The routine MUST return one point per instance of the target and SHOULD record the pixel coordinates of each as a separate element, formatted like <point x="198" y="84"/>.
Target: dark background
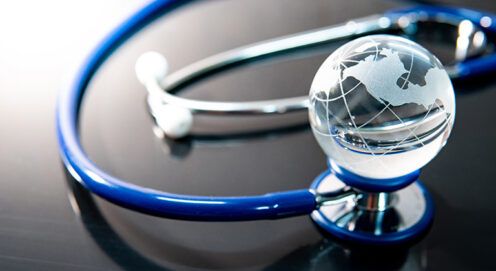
<point x="47" y="222"/>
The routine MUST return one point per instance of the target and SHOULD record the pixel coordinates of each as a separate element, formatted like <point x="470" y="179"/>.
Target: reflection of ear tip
<point x="175" y="121"/>
<point x="151" y="65"/>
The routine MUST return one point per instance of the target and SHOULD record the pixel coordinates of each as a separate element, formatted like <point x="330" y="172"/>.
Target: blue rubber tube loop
<point x="471" y="67"/>
<point x="268" y="206"/>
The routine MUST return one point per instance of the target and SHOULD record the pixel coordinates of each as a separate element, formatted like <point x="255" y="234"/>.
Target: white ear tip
<point x="151" y="65"/>
<point x="175" y="121"/>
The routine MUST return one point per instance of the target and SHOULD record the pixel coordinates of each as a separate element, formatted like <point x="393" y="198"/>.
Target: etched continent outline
<point x="380" y="77"/>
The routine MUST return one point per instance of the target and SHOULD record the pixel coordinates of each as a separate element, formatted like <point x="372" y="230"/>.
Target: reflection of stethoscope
<point x="379" y="220"/>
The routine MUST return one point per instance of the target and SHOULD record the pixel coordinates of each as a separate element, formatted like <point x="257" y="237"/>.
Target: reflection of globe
<point x="381" y="106"/>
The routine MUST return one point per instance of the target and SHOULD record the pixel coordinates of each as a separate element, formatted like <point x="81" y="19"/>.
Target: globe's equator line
<point x="404" y="139"/>
<point x="374" y="117"/>
<point x="405" y="125"/>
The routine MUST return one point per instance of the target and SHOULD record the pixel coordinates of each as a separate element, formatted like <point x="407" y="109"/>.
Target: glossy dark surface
<point x="47" y="222"/>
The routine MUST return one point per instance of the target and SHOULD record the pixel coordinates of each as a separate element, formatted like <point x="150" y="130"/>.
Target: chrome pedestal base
<point x="374" y="218"/>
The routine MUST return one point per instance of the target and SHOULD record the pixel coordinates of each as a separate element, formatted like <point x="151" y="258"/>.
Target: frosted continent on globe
<point x="381" y="106"/>
<point x="369" y="71"/>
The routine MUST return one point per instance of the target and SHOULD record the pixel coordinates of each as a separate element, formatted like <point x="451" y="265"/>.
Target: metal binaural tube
<point x="337" y="197"/>
<point x="275" y="46"/>
<point x="160" y="90"/>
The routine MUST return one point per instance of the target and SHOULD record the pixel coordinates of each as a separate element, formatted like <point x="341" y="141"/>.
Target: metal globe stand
<point x="385" y="212"/>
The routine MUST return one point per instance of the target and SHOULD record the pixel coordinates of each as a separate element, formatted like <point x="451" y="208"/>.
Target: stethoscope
<point x="329" y="190"/>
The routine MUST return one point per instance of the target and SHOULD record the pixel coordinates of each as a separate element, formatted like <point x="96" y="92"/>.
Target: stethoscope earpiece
<point x="175" y="121"/>
<point x="151" y="66"/>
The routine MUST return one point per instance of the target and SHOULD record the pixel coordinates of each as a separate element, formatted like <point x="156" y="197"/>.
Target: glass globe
<point x="381" y="106"/>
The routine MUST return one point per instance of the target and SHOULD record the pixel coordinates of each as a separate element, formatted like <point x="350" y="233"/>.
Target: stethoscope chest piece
<point x="375" y="218"/>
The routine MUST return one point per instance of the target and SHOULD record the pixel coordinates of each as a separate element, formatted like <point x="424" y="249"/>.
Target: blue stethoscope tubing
<point x="471" y="67"/>
<point x="186" y="207"/>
